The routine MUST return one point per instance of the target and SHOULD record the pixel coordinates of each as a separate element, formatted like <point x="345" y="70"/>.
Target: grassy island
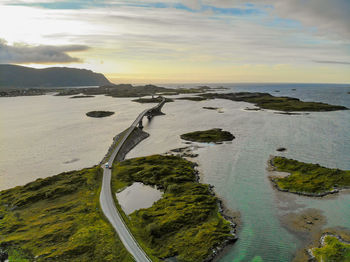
<point x="332" y="249"/>
<point x="185" y="223"/>
<point x="58" y="219"/>
<point x="82" y="96"/>
<point x="99" y="114"/>
<point x="210" y="108"/>
<point x="309" y="179"/>
<point x="152" y="100"/>
<point x="267" y="101"/>
<point x="207" y="136"/>
<point x="192" y="98"/>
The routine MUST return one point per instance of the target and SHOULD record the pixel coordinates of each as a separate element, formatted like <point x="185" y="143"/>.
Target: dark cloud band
<point x="332" y="62"/>
<point x="38" y="54"/>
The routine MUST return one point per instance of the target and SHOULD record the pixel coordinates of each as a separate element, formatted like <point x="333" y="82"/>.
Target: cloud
<point x="328" y="17"/>
<point x="22" y="53"/>
<point x="332" y="62"/>
<point x="137" y="32"/>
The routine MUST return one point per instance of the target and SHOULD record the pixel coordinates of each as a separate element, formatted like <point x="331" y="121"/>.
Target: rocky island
<point x="82" y="96"/>
<point x="215" y="135"/>
<point x="192" y="98"/>
<point x="99" y="114"/>
<point x="332" y="248"/>
<point x="308" y="179"/>
<point x="319" y="244"/>
<point x="152" y="100"/>
<point x="267" y="101"/>
<point x="185" y="223"/>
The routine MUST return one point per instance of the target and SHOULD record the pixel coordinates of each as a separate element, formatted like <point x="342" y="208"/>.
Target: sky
<point x="182" y="41"/>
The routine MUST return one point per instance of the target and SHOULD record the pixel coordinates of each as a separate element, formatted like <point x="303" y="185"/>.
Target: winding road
<point x="106" y="197"/>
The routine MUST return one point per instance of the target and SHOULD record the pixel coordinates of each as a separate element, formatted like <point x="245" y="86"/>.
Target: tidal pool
<point x="138" y="196"/>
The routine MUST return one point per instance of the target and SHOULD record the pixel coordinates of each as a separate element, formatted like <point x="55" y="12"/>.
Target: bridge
<point x="106" y="197"/>
<point x="154" y="111"/>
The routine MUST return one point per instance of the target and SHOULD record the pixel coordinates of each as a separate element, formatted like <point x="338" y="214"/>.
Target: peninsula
<point x="308" y="179"/>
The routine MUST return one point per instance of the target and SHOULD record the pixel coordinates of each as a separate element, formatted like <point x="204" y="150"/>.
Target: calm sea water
<point x="42" y="136"/>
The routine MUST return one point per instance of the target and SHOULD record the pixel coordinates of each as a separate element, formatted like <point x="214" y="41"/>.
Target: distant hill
<point x="20" y="76"/>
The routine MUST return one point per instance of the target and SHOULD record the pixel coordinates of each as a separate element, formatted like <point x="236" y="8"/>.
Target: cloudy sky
<point x="182" y="41"/>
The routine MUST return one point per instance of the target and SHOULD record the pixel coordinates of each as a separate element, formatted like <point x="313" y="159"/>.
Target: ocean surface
<point x="42" y="136"/>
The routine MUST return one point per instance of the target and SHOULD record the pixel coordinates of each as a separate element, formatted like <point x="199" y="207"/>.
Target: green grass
<point x="309" y="178"/>
<point x="58" y="219"/>
<point x="185" y="222"/>
<point x="207" y="136"/>
<point x="333" y="250"/>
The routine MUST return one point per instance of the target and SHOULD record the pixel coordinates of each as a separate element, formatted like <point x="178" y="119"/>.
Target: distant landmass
<point x="20" y="76"/>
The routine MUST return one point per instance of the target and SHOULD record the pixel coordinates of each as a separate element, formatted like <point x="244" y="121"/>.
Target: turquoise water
<point x="238" y="169"/>
<point x="319" y="138"/>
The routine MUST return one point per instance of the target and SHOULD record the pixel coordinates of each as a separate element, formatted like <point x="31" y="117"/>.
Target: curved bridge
<point x="106" y="197"/>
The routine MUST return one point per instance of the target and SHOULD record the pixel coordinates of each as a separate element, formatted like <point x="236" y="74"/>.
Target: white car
<point x="106" y="165"/>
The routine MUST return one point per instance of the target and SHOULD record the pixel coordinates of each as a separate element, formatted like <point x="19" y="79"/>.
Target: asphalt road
<point x="114" y="217"/>
<point x="107" y="202"/>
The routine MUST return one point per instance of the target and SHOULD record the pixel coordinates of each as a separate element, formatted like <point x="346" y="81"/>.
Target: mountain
<point x="20" y="76"/>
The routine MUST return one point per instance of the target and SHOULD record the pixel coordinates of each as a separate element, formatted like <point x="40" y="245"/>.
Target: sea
<point x="42" y="136"/>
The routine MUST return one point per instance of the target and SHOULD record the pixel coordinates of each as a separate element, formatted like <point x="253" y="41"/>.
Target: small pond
<point x="138" y="196"/>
